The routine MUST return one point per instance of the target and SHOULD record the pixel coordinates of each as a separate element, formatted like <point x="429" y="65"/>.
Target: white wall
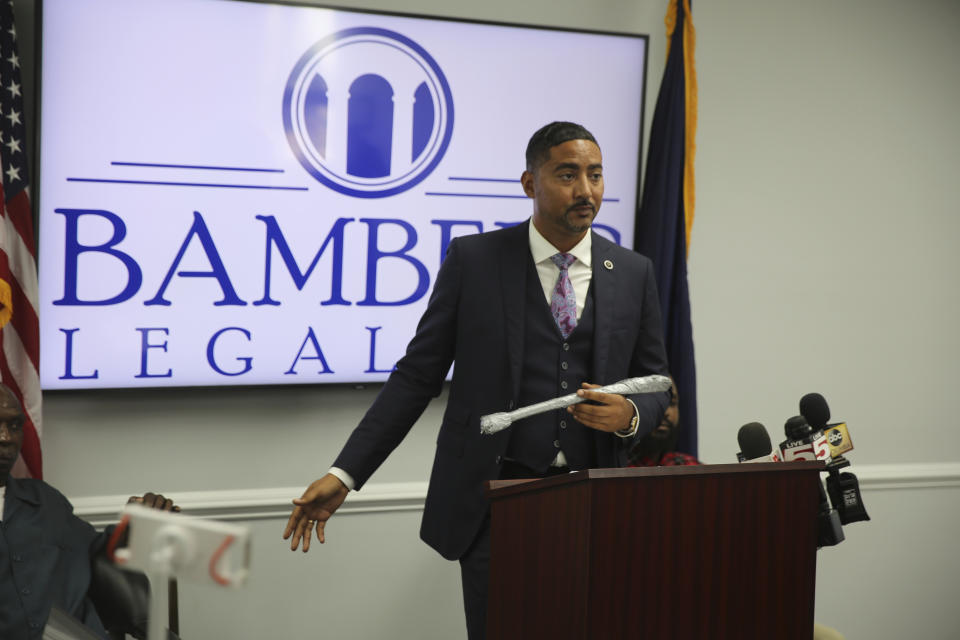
<point x="822" y="259"/>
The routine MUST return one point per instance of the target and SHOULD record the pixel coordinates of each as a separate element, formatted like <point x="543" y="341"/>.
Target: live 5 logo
<point x="817" y="448"/>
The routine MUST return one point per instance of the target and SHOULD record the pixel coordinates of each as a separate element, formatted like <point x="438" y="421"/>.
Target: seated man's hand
<point x="120" y="534"/>
<point x="154" y="501"/>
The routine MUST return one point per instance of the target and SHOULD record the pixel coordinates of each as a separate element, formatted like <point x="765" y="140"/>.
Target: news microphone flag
<point x="19" y="331"/>
<point x="838" y="437"/>
<point x="665" y="218"/>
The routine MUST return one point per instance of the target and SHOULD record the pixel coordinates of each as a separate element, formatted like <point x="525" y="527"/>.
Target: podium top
<point x="500" y="488"/>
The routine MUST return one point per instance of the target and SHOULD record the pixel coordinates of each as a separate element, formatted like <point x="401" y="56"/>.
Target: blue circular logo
<point x="368" y="112"/>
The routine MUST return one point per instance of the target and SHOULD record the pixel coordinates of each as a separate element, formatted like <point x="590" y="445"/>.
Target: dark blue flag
<point x="666" y="210"/>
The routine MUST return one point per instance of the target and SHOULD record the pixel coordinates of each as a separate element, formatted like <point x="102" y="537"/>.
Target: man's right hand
<point x="154" y="501"/>
<point x="316" y="505"/>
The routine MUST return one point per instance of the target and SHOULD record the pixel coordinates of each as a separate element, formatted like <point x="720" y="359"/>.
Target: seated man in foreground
<point x="45" y="550"/>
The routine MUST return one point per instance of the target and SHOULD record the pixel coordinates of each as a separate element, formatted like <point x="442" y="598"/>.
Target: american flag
<point x="19" y="335"/>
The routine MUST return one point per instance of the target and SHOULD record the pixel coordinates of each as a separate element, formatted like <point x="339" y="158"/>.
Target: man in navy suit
<point x="522" y="327"/>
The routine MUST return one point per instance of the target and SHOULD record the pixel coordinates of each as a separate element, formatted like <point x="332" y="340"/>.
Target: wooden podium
<point x="715" y="552"/>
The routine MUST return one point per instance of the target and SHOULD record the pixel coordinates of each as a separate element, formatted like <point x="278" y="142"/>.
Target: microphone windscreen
<point x="814" y="408"/>
<point x="796" y="427"/>
<point x="754" y="440"/>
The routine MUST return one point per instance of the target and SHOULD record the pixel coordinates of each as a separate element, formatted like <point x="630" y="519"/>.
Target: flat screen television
<point x="248" y="193"/>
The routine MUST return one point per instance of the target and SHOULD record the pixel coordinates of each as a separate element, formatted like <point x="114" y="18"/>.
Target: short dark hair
<point x="549" y="136"/>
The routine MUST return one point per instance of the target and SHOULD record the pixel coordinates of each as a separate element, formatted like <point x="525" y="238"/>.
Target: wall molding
<point x="275" y="502"/>
<point x="920" y="475"/>
<point x="259" y="504"/>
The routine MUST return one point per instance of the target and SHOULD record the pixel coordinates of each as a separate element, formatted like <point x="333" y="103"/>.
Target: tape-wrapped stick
<point x="495" y="422"/>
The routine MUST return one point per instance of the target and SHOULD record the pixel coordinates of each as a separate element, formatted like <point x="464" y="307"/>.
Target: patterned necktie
<point x="563" y="302"/>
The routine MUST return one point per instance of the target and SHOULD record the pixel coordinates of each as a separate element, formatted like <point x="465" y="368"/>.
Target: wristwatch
<point x="634" y="422"/>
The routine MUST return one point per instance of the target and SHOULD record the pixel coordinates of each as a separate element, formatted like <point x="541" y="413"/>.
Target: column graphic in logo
<point x="368" y="112"/>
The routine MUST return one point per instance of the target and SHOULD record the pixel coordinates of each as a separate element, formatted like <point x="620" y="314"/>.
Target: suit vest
<point x="552" y="367"/>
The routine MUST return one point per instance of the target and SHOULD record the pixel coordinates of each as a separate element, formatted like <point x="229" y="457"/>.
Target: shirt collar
<point x="541" y="249"/>
<point x="20" y="491"/>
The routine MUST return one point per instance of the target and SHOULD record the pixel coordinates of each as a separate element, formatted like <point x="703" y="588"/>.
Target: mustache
<point x="581" y="203"/>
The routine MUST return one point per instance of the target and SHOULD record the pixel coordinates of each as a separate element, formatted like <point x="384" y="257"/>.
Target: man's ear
<point x="526" y="179"/>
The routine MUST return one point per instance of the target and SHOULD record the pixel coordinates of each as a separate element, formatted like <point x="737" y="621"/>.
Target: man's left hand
<point x="611" y="413"/>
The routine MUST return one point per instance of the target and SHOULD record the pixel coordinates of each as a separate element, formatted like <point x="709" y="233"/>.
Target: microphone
<point x="755" y="444"/>
<point x="803" y="443"/>
<point x="814" y="408"/>
<point x="755" y="447"/>
<point x="844" y="488"/>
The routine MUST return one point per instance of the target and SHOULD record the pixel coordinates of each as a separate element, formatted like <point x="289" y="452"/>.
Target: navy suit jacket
<point x="475" y="318"/>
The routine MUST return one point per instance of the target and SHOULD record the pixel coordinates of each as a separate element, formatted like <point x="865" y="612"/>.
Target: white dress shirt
<point x="579" y="271"/>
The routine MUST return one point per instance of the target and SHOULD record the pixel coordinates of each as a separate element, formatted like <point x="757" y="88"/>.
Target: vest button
<point x="563" y="384"/>
<point x="563" y="424"/>
<point x="564" y="365"/>
<point x="556" y="444"/>
<point x="566" y="346"/>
